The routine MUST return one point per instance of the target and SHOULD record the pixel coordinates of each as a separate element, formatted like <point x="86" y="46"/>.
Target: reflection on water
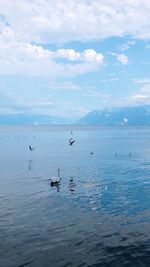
<point x="55" y="186"/>
<point x="72" y="185"/>
<point x="99" y="213"/>
<point x="30" y="163"/>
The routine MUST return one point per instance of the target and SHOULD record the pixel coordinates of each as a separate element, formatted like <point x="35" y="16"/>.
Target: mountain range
<point x="139" y="115"/>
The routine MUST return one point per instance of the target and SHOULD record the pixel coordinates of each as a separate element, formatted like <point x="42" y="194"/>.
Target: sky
<point x="68" y="57"/>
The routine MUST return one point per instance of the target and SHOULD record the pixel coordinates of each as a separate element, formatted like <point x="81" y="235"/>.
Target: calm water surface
<point x="99" y="215"/>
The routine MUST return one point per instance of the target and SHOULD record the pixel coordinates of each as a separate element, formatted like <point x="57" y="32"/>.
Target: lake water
<point x="99" y="215"/>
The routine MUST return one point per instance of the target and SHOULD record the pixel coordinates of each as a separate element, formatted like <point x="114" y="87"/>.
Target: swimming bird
<point x="71" y="141"/>
<point x="55" y="180"/>
<point x="31" y="148"/>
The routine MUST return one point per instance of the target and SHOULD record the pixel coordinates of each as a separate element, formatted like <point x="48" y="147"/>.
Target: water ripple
<point x="98" y="215"/>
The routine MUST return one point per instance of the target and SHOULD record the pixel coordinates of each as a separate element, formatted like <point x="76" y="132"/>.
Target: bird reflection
<point x="30" y="163"/>
<point x="72" y="185"/>
<point x="56" y="185"/>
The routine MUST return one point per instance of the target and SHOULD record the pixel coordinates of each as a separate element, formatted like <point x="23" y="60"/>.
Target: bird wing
<point x="71" y="141"/>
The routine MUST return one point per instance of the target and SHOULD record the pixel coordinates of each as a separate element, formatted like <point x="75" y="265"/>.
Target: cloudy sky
<point x="68" y="57"/>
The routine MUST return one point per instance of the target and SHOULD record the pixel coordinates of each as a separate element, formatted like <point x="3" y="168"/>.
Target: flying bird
<point x="31" y="148"/>
<point x="71" y="141"/>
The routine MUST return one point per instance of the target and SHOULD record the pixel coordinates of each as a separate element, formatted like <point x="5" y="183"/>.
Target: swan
<point x="55" y="180"/>
<point x="31" y="148"/>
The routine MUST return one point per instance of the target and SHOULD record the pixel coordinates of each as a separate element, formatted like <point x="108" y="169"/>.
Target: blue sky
<point x="66" y="58"/>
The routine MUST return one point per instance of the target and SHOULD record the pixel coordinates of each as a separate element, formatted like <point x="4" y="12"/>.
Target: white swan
<point x="55" y="180"/>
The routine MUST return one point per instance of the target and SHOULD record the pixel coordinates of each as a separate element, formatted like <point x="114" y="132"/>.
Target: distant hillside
<point x="19" y="119"/>
<point x="139" y="115"/>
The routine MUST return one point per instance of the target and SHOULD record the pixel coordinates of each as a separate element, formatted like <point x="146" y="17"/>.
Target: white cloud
<point x="91" y="56"/>
<point x="69" y="54"/>
<point x="142" y="81"/>
<point x="64" y="86"/>
<point x="97" y="94"/>
<point x="125" y="120"/>
<point x="27" y="26"/>
<point x="142" y="96"/>
<point x="28" y="59"/>
<point x="114" y="79"/>
<point x="24" y="23"/>
<point x="146" y="88"/>
<point x="88" y="55"/>
<point x="139" y="97"/>
<point x="11" y="103"/>
<point x="38" y="103"/>
<point x="46" y="21"/>
<point x="122" y="58"/>
<point x="126" y="45"/>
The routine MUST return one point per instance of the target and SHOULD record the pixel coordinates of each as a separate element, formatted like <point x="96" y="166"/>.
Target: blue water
<point x="99" y="214"/>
